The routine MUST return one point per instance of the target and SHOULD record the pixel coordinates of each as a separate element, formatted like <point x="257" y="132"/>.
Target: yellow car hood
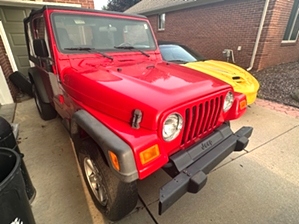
<point x="241" y="80"/>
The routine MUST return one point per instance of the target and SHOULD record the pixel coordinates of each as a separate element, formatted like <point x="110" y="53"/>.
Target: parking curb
<point x="289" y="110"/>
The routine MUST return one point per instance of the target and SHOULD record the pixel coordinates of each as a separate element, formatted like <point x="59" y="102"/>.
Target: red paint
<point x="111" y="90"/>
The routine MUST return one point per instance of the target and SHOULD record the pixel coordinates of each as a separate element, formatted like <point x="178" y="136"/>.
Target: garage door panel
<point x="21" y="51"/>
<point x="23" y="60"/>
<point x="14" y="14"/>
<point x="12" y="19"/>
<point x="15" y="27"/>
<point x="18" y="39"/>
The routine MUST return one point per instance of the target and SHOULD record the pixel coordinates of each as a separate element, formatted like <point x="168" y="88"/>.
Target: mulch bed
<point x="277" y="83"/>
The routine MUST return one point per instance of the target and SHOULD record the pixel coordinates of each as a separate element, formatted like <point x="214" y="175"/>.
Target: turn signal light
<point x="114" y="160"/>
<point x="243" y="104"/>
<point x="149" y="154"/>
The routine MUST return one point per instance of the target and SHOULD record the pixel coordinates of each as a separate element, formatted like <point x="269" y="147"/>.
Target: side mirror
<point x="40" y="48"/>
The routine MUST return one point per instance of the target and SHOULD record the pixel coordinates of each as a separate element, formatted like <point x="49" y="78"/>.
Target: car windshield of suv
<point x="102" y="33"/>
<point x="178" y="53"/>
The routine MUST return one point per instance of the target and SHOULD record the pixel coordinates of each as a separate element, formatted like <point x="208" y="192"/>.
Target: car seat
<point x="64" y="40"/>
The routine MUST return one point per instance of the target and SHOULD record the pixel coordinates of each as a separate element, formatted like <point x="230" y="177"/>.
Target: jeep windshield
<point x="73" y="31"/>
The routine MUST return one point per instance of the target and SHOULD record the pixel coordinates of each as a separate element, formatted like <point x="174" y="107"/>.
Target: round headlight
<point x="228" y="101"/>
<point x="172" y="126"/>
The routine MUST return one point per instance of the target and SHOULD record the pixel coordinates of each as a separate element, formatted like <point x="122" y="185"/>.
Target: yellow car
<point x="241" y="80"/>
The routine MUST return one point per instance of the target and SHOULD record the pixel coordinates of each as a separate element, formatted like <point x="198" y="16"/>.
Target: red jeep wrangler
<point x="128" y="112"/>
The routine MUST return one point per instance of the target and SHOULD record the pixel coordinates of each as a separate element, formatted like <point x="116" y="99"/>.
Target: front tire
<point x="114" y="198"/>
<point x="46" y="111"/>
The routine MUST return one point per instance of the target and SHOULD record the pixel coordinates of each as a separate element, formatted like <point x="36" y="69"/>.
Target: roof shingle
<point x="148" y="7"/>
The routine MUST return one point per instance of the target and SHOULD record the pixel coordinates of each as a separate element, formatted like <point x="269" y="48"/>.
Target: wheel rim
<point x="36" y="99"/>
<point x="95" y="181"/>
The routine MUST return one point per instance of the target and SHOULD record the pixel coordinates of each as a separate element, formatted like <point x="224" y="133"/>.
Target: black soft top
<point x="41" y="10"/>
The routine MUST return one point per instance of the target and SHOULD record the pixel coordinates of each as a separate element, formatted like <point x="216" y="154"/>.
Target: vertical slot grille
<point x="201" y="118"/>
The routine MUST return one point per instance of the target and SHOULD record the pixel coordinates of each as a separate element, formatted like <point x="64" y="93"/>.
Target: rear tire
<point x="114" y="198"/>
<point x="46" y="111"/>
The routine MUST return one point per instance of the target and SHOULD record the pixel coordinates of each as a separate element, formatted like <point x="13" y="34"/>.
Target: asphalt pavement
<point x="257" y="185"/>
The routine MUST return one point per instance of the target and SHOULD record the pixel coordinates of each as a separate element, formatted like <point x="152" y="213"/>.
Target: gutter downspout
<point x="259" y="33"/>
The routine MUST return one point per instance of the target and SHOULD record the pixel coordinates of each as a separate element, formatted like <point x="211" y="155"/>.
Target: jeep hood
<point x="153" y="88"/>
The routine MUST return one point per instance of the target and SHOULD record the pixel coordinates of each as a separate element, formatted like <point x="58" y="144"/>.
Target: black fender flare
<point x="36" y="79"/>
<point x="107" y="140"/>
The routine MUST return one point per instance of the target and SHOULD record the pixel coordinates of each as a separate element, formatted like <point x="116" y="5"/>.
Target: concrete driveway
<point x="257" y="185"/>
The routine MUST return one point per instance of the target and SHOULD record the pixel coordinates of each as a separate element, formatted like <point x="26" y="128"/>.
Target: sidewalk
<point x="257" y="185"/>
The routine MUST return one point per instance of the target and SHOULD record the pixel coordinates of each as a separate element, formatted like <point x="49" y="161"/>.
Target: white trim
<point x="30" y="4"/>
<point x="5" y="95"/>
<point x="289" y="41"/>
<point x="7" y="48"/>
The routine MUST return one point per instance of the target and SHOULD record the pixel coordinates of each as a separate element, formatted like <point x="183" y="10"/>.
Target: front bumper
<point x="190" y="167"/>
<point x="251" y="97"/>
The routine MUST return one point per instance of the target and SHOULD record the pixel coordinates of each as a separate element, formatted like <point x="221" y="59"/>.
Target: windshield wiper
<point x="131" y="48"/>
<point x="88" y="49"/>
<point x="178" y="61"/>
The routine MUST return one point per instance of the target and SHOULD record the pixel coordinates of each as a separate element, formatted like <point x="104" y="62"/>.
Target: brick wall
<point x="6" y="68"/>
<point x="84" y="3"/>
<point x="272" y="51"/>
<point x="212" y="28"/>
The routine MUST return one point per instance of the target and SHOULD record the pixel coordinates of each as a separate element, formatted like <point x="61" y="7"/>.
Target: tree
<point x="120" y="5"/>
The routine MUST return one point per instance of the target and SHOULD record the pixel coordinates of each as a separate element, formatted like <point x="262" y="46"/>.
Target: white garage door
<point x="12" y="19"/>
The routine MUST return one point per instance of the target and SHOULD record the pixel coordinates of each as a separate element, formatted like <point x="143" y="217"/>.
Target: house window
<point x="161" y="22"/>
<point x="291" y="33"/>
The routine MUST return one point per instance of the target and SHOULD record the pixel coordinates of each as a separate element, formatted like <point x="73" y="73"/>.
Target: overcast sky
<point x="98" y="4"/>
